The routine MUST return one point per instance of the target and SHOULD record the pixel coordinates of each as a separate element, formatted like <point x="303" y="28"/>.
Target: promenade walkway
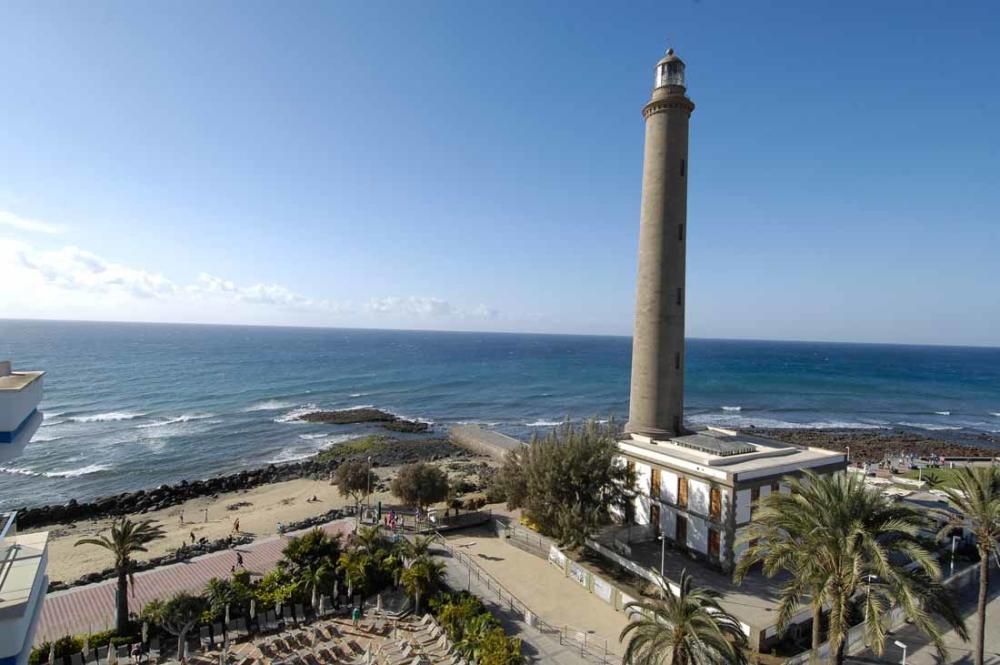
<point x="92" y="607"/>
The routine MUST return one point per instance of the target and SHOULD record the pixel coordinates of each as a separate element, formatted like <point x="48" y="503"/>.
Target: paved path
<point x="539" y="647"/>
<point x="91" y="608"/>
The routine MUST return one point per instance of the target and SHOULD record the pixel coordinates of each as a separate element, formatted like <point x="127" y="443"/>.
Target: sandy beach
<point x="259" y="511"/>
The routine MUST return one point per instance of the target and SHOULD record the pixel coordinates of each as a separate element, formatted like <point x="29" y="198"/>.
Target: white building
<point x="699" y="489"/>
<point x="23" y="559"/>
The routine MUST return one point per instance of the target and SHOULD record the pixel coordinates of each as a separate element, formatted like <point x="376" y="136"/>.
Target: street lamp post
<point x="868" y="592"/>
<point x="368" y="494"/>
<point x="903" y="647"/>
<point x="663" y="552"/>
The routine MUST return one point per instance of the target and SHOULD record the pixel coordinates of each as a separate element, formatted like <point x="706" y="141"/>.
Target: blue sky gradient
<point x="474" y="165"/>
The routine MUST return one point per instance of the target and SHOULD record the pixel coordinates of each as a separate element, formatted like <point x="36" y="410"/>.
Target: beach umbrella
<point x="253" y="608"/>
<point x="336" y="591"/>
<point x="315" y="597"/>
<point x="52" y="654"/>
<point x="227" y="615"/>
<point x="378" y="604"/>
<point x="145" y="632"/>
<point x="322" y="605"/>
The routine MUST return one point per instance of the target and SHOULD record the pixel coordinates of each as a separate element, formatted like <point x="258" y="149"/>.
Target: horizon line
<point x="495" y="332"/>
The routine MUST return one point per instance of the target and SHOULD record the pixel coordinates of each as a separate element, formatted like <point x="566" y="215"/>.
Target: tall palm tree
<point x="422" y="577"/>
<point x="353" y="566"/>
<point x="841" y="542"/>
<point x="369" y="538"/>
<point x="416" y="549"/>
<point x="684" y="628"/>
<point x="977" y="495"/>
<point x="125" y="539"/>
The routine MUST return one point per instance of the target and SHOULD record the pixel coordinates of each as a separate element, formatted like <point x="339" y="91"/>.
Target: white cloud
<point x="18" y="223"/>
<point x="76" y="269"/>
<point x="424" y="307"/>
<point x="53" y="284"/>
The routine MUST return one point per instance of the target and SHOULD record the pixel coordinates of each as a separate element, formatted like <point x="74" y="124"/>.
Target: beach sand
<point x="269" y="504"/>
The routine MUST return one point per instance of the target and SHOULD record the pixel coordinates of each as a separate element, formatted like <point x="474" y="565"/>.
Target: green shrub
<point x="64" y="647"/>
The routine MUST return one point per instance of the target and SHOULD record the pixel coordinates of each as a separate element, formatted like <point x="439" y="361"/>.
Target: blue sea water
<point x="130" y="406"/>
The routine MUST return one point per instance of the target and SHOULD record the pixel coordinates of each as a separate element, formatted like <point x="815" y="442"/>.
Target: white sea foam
<point x="734" y="421"/>
<point x="356" y="395"/>
<point x="291" y="455"/>
<point x="187" y="417"/>
<point x="313" y="436"/>
<point x="932" y="427"/>
<point x="112" y="416"/>
<point x="476" y="422"/>
<point x="296" y="414"/>
<point x="943" y="413"/>
<point x="42" y="437"/>
<point x="269" y="405"/>
<point x="544" y="423"/>
<point x="296" y="453"/>
<point x="358" y="407"/>
<point x="995" y="413"/>
<point x="68" y="473"/>
<point x="732" y="408"/>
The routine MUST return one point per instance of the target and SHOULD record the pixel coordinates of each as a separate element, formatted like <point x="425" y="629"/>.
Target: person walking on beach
<point x="182" y="517"/>
<point x="192" y="537"/>
<point x="236" y="525"/>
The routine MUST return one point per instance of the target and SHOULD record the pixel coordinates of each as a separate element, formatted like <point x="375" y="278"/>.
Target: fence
<point x="590" y="647"/>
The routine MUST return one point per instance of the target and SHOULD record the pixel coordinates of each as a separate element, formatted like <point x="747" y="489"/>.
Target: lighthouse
<point x="656" y="405"/>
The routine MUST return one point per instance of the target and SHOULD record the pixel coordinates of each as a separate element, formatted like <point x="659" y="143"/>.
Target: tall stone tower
<point x="656" y="405"/>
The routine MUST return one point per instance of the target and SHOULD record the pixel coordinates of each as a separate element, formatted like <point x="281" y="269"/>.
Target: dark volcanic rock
<point x="877" y="445"/>
<point x="387" y="420"/>
<point x="349" y="417"/>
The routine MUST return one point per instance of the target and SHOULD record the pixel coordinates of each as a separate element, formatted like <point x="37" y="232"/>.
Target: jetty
<point x="483" y="442"/>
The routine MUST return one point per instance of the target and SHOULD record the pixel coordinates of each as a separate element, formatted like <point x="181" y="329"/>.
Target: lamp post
<point x="903" y="647"/>
<point x="368" y="494"/>
<point x="663" y="552"/>
<point x="868" y="592"/>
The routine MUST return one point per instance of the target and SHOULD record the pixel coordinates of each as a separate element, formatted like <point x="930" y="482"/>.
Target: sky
<point x="476" y="165"/>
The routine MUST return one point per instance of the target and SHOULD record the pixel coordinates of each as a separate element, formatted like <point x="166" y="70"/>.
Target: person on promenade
<point x="182" y="516"/>
<point x="236" y="525"/>
<point x="192" y="537"/>
<point x="356" y="616"/>
<point x="239" y="560"/>
<point x="136" y="653"/>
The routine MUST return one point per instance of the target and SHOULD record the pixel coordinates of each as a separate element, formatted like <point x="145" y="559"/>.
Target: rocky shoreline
<point x="383" y="451"/>
<point x="876" y="445"/>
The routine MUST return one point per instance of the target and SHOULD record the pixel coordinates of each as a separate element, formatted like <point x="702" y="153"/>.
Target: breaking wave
<point x="269" y="405"/>
<point x="112" y="416"/>
<point x="68" y="473"/>
<point x="773" y="423"/>
<point x="295" y="414"/>
<point x="732" y="408"/>
<point x="931" y="427"/>
<point x="943" y="413"/>
<point x="544" y="423"/>
<point x="187" y="417"/>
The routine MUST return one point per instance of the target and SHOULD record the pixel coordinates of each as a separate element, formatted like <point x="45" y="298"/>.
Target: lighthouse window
<point x="683" y="167"/>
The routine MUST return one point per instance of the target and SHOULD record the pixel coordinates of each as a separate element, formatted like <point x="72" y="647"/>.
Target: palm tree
<point x="778" y="541"/>
<point x="840" y="541"/>
<point x="684" y="628"/>
<point x="369" y="538"/>
<point x="353" y="565"/>
<point x="126" y="538"/>
<point x="977" y="495"/>
<point x="422" y="577"/>
<point x="416" y="549"/>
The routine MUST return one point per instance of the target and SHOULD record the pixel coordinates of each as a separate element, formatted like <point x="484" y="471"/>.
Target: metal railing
<point x="590" y="646"/>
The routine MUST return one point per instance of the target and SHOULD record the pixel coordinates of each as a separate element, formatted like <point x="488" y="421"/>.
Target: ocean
<point x="130" y="406"/>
